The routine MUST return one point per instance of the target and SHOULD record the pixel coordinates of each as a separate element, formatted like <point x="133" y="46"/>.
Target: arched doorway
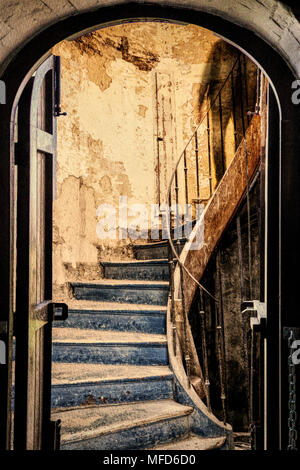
<point x="282" y="195"/>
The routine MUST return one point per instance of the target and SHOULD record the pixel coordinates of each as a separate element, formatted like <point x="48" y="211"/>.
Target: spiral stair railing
<point x="235" y="85"/>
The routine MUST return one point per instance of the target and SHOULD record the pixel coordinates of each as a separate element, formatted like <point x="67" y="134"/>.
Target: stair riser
<point x="143" y="295"/>
<point x="148" y="273"/>
<point x="144" y="322"/>
<point x="141" y="437"/>
<point x="122" y="391"/>
<point x="110" y="354"/>
<point x="153" y="252"/>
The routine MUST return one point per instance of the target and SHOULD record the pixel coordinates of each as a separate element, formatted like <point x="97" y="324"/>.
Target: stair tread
<point x="91" y="421"/>
<point x="100" y="306"/>
<point x="138" y="262"/>
<point x="77" y="335"/>
<point x="121" y="282"/>
<point x="157" y="243"/>
<point x="193" y="442"/>
<point x="72" y="373"/>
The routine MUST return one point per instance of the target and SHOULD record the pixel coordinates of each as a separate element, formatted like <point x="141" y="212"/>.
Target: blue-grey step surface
<point x="119" y="427"/>
<point x="138" y="292"/>
<point x="151" y="270"/>
<point x="193" y="442"/>
<point x="81" y="384"/>
<point x="115" y="316"/>
<point x="108" y="347"/>
<point x="155" y="250"/>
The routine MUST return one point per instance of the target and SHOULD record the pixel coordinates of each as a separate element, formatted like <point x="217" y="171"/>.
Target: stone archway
<point x="271" y="20"/>
<point x="268" y="34"/>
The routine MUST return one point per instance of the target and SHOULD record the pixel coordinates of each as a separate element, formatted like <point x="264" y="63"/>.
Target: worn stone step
<point x="108" y="347"/>
<point x="121" y="427"/>
<point x="115" y="316"/>
<point x="193" y="442"/>
<point x="152" y="270"/>
<point x="155" y="250"/>
<point x="81" y="384"/>
<point x="138" y="292"/>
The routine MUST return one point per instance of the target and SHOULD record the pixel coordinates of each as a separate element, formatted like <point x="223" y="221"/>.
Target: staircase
<point x="126" y="373"/>
<point x="112" y="385"/>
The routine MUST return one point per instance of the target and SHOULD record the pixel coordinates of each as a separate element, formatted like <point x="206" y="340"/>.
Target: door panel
<point x="36" y="154"/>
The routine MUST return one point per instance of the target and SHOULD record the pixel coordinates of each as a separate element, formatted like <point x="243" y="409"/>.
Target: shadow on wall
<point x="232" y="104"/>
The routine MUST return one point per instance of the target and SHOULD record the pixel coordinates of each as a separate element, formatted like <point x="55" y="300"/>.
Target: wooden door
<point x="36" y="167"/>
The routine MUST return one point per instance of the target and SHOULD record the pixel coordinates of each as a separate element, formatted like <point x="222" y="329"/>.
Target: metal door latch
<point x="48" y="311"/>
<point x="257" y="313"/>
<point x="60" y="311"/>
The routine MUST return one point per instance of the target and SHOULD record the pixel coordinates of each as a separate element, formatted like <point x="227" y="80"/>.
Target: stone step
<point x="115" y="316"/>
<point x="108" y="347"/>
<point x="123" y="427"/>
<point x="193" y="442"/>
<point x="138" y="292"/>
<point x="151" y="270"/>
<point x="82" y="384"/>
<point x="155" y="250"/>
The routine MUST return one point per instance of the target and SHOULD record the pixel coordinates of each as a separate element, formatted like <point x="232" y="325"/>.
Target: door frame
<point x="282" y="223"/>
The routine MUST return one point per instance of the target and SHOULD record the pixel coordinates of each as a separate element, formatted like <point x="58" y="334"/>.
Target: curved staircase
<point x="112" y="384"/>
<point x="126" y="373"/>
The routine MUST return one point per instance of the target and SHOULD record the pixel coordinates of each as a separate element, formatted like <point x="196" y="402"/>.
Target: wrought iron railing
<point x="229" y="106"/>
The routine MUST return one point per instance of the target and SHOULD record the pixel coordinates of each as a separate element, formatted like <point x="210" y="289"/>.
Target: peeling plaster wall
<point x="121" y="87"/>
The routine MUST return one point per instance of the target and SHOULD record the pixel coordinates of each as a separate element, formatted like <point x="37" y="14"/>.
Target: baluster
<point x="169" y="211"/>
<point x="185" y="326"/>
<point x="185" y="177"/>
<point x="247" y="180"/>
<point x="233" y="111"/>
<point x="246" y="88"/>
<point x="204" y="348"/>
<point x="209" y="154"/>
<point x="244" y="319"/>
<point x="251" y="378"/>
<point x="239" y="240"/>
<point x="241" y="95"/>
<point x="220" y="340"/>
<point x="197" y="167"/>
<point x="176" y="187"/>
<point x="171" y="276"/>
<point x="177" y="197"/>
<point x="258" y="91"/>
<point x="171" y="296"/>
<point x="221" y="133"/>
<point x="223" y="396"/>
